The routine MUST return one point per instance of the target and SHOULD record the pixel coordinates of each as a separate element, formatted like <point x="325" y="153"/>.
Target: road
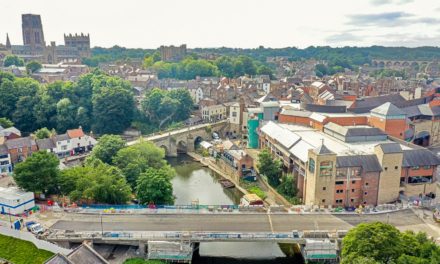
<point x="404" y="220"/>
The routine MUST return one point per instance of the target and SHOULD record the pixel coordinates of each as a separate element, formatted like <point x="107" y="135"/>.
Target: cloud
<point x="390" y="19"/>
<point x="386" y="2"/>
<point x="342" y="37"/>
<point x="381" y="2"/>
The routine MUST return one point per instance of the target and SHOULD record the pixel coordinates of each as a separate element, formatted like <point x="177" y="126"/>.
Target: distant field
<point x="21" y="252"/>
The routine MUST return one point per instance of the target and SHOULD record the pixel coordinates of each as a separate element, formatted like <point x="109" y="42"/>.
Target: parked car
<point x="35" y="228"/>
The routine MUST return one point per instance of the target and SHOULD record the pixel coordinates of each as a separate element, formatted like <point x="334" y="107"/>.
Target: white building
<point x="213" y="112"/>
<point x="5" y="161"/>
<point x="196" y="94"/>
<point x="234" y="114"/>
<point x="15" y="201"/>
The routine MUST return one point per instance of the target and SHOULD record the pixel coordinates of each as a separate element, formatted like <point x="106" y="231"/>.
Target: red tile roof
<point x="75" y="133"/>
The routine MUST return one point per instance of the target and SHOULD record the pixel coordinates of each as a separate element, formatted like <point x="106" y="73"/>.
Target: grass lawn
<point x="21" y="251"/>
<point x="142" y="261"/>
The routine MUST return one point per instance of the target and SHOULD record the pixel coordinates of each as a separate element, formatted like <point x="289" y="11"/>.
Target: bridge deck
<point x="224" y="222"/>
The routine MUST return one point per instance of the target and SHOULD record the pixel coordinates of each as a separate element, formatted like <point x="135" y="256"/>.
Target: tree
<point x="107" y="147"/>
<point x="23" y="115"/>
<point x="269" y="167"/>
<point x="33" y="66"/>
<point x="264" y="70"/>
<point x="6" y="123"/>
<point x="185" y="103"/>
<point x="65" y="115"/>
<point x="136" y="159"/>
<point x="154" y="186"/>
<point x="42" y="133"/>
<point x="96" y="182"/>
<point x="38" y="173"/>
<point x="112" y="110"/>
<point x="287" y="186"/>
<point x="378" y="241"/>
<point x="13" y="60"/>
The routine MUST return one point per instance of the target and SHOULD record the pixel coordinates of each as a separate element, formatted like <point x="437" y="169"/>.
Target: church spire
<point x="8" y="42"/>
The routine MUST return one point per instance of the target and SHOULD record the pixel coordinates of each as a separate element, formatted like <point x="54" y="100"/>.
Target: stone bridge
<point x="184" y="140"/>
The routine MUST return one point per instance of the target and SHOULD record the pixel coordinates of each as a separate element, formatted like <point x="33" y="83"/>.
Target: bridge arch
<point x="389" y="63"/>
<point x="197" y="141"/>
<point x="381" y="64"/>
<point x="397" y="64"/>
<point x="405" y="64"/>
<point x="182" y="147"/>
<point x="167" y="153"/>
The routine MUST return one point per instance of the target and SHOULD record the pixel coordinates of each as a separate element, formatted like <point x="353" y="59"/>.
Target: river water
<point x="194" y="182"/>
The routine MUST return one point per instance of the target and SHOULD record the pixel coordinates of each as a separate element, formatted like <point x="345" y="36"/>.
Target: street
<point x="403" y="220"/>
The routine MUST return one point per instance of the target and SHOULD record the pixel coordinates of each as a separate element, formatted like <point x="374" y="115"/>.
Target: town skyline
<point x="239" y="24"/>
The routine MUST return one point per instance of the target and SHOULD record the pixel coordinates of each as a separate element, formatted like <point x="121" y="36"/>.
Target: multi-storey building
<point x="350" y="165"/>
<point x="172" y="53"/>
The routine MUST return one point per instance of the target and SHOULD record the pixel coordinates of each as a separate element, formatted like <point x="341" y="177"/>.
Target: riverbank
<point x="210" y="163"/>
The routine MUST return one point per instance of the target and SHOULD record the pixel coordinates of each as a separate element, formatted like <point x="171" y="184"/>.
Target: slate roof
<point x="364" y="105"/>
<point x="46" y="143"/>
<point x="391" y="148"/>
<point x="58" y="259"/>
<point x="419" y="157"/>
<point x="84" y="254"/>
<point x="387" y="109"/>
<point x="323" y="150"/>
<point x="368" y="163"/>
<point x="62" y="137"/>
<point x="364" y="131"/>
<point x="20" y="143"/>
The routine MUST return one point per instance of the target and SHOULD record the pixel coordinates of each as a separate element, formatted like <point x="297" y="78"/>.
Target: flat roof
<point x="12" y="193"/>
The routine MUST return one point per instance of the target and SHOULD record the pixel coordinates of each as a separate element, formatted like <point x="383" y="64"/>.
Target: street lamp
<point x="102" y="228"/>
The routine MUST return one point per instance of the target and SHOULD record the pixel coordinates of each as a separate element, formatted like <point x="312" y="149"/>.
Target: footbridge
<point x="184" y="139"/>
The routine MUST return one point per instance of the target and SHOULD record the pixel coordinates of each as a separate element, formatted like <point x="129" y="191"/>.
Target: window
<point x="326" y="168"/>
<point x="365" y="193"/>
<point x="352" y="190"/>
<point x="352" y="200"/>
<point x="323" y="200"/>
<point x="341" y="172"/>
<point x="324" y="188"/>
<point x="339" y="201"/>
<point x="356" y="172"/>
<point x="386" y="168"/>
<point x="353" y="182"/>
<point x="396" y="167"/>
<point x="339" y="183"/>
<point x="426" y="167"/>
<point x="312" y="165"/>
<point x="415" y="168"/>
<point x="366" y="184"/>
<point x="339" y="191"/>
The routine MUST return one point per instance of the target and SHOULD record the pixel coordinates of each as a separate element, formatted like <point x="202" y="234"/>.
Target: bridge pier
<point x="142" y="247"/>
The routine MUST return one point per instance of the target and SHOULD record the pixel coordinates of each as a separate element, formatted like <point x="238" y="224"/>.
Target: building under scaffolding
<point x="322" y="250"/>
<point x="180" y="252"/>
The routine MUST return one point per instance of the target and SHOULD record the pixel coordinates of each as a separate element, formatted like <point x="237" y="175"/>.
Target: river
<point x="194" y="182"/>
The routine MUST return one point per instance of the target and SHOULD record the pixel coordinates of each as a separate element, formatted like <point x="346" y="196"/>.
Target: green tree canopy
<point x="33" y="66"/>
<point x="271" y="168"/>
<point x="13" y="60"/>
<point x="383" y="243"/>
<point x="136" y="159"/>
<point x="6" y="123"/>
<point x="107" y="147"/>
<point x="42" y="133"/>
<point x="154" y="186"/>
<point x="38" y="173"/>
<point x="95" y="182"/>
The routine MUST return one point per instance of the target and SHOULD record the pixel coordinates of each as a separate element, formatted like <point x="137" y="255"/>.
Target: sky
<point x="231" y="23"/>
